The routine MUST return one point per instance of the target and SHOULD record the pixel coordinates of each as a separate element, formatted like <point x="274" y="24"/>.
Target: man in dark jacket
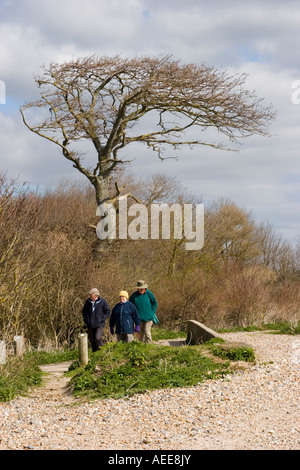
<point x="126" y="319"/>
<point x="95" y="312"/>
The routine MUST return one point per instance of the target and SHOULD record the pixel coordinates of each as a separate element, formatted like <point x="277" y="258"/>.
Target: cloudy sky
<point x="257" y="38"/>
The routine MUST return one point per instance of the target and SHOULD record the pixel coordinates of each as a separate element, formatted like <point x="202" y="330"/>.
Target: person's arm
<point x="136" y="320"/>
<point x="106" y="309"/>
<point x="84" y="313"/>
<point x="153" y="301"/>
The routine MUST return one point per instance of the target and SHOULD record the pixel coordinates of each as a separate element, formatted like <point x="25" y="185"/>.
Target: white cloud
<point x="89" y="25"/>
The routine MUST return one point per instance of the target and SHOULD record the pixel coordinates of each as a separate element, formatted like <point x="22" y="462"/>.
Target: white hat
<point x="94" y="291"/>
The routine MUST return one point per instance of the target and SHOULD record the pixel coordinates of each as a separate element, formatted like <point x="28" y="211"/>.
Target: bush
<point x="243" y="276"/>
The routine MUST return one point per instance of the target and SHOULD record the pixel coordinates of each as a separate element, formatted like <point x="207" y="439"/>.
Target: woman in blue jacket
<point x="125" y="318"/>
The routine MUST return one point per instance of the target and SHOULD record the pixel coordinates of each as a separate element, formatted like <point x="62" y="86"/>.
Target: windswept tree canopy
<point x="104" y="100"/>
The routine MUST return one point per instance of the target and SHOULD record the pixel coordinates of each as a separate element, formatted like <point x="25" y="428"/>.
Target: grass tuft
<point x="17" y="376"/>
<point x="121" y="369"/>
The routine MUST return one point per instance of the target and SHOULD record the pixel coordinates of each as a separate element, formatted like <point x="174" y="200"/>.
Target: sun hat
<point x="141" y="285"/>
<point x="123" y="293"/>
<point x="94" y="291"/>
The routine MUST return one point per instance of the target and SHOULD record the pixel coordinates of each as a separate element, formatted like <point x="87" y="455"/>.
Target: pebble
<point x="255" y="408"/>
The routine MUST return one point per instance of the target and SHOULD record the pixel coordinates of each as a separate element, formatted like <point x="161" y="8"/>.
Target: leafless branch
<point x="104" y="100"/>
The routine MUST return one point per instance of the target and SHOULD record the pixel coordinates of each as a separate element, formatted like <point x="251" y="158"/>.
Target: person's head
<point x="141" y="286"/>
<point x="123" y="296"/>
<point x="94" y="294"/>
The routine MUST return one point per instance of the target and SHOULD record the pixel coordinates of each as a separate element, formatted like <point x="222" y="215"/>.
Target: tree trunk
<point x="101" y="185"/>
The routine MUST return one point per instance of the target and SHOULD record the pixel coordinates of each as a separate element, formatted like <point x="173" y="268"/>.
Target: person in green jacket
<point x="146" y="305"/>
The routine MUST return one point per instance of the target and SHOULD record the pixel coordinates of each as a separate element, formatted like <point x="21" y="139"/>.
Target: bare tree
<point x="104" y="100"/>
<point x="21" y="220"/>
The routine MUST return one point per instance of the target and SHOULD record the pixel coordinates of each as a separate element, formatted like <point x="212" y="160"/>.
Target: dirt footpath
<point x="55" y="385"/>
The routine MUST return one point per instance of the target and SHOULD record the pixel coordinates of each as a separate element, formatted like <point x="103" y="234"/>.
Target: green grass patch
<point x="52" y="357"/>
<point x="17" y="376"/>
<point x="121" y="369"/>
<point x="281" y="328"/>
<point x="158" y="333"/>
<point x="234" y="351"/>
<point x="284" y="328"/>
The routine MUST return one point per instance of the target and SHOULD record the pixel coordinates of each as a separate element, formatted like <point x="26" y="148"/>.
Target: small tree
<point x="104" y="100"/>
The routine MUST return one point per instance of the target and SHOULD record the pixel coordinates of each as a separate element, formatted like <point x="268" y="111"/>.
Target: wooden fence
<point x="19" y="348"/>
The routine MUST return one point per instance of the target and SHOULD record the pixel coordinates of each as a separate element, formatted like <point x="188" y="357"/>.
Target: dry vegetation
<point x="50" y="257"/>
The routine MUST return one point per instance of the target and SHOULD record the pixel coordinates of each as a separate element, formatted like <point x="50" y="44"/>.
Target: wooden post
<point x="19" y="345"/>
<point x="2" y="353"/>
<point x="83" y="349"/>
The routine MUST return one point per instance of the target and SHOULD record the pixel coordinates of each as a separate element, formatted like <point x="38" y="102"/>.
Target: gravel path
<point x="253" y="409"/>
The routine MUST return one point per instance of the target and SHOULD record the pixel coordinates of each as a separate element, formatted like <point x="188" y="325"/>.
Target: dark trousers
<point x="95" y="337"/>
